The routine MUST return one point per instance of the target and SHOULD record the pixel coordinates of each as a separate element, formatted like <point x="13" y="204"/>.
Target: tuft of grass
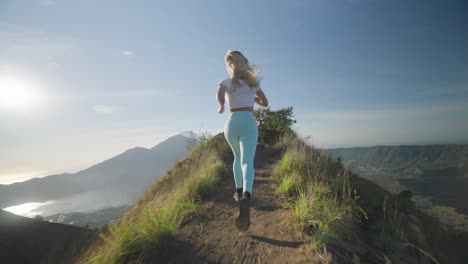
<point x="206" y="142"/>
<point x="203" y="186"/>
<point x="323" y="217"/>
<point x="290" y="185"/>
<point x="302" y="208"/>
<point x="319" y="190"/>
<point x="153" y="222"/>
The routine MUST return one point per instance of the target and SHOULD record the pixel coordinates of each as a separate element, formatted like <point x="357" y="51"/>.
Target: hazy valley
<point x="115" y="182"/>
<point x="436" y="174"/>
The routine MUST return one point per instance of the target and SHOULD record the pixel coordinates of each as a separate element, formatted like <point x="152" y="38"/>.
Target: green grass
<point x="290" y="185"/>
<point x="206" y="142"/>
<point x="338" y="209"/>
<point x="323" y="218"/>
<point x="318" y="189"/>
<point x="153" y="222"/>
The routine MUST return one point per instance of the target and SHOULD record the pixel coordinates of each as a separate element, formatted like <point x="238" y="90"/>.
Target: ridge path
<point x="210" y="235"/>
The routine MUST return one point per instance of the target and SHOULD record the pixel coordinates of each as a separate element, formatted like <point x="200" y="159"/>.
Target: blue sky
<point x="111" y="75"/>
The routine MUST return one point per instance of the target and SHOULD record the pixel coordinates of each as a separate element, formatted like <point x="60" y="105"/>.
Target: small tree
<point x="197" y="143"/>
<point x="272" y="124"/>
<point x="191" y="141"/>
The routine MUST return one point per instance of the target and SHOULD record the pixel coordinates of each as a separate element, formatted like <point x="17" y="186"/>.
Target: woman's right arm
<point x="261" y="99"/>
<point x="220" y="98"/>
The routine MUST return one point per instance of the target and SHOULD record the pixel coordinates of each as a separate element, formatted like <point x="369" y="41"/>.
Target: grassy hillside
<point x="26" y="240"/>
<point x="342" y="217"/>
<point x="341" y="210"/>
<point x="436" y="174"/>
<point x="152" y="223"/>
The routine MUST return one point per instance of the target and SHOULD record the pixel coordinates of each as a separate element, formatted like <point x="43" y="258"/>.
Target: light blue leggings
<point x="241" y="132"/>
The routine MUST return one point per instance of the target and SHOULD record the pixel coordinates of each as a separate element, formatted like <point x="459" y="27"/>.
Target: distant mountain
<point x="436" y="174"/>
<point x="395" y="157"/>
<point x="177" y="142"/>
<point x="113" y="182"/>
<point x="388" y="165"/>
<point x="26" y="240"/>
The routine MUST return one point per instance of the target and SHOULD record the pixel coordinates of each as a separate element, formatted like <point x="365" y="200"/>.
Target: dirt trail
<point x="211" y="237"/>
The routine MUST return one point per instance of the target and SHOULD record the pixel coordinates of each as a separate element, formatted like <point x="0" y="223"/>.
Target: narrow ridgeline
<point x="306" y="208"/>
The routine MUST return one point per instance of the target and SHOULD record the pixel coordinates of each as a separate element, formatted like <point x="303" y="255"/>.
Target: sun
<point x="17" y="93"/>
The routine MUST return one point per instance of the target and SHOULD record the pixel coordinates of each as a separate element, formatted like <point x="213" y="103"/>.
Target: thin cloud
<point x="139" y="93"/>
<point x="314" y="4"/>
<point x="103" y="109"/>
<point x="49" y="3"/>
<point x="128" y="53"/>
<point x="391" y="112"/>
<point x="20" y="43"/>
<point x="106" y="94"/>
<point x="460" y="89"/>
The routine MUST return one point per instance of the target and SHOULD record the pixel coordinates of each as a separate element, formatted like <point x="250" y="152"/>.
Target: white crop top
<point x="243" y="96"/>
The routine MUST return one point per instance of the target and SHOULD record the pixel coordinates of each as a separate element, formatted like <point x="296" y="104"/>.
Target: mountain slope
<point x="25" y="240"/>
<point x="315" y="213"/>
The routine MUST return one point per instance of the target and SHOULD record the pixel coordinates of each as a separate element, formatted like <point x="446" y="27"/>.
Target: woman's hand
<point x="261" y="99"/>
<point x="221" y="109"/>
<point x="258" y="101"/>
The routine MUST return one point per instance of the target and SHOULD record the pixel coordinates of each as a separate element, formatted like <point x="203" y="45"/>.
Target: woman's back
<point x="239" y="96"/>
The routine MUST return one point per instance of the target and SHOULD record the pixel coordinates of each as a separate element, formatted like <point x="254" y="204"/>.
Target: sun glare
<point x="17" y="93"/>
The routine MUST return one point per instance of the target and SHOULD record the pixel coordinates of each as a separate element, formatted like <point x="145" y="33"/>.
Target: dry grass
<point x="319" y="190"/>
<point x="154" y="220"/>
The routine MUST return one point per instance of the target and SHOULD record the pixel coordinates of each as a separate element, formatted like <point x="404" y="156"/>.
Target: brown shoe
<point x="243" y="220"/>
<point x="237" y="195"/>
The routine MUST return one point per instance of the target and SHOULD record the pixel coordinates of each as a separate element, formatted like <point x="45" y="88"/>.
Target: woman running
<point x="241" y="90"/>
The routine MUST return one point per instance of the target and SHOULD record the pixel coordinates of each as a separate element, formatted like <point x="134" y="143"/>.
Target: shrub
<point x="273" y="124"/>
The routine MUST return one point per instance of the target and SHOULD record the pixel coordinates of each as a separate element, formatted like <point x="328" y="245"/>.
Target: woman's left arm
<point x="261" y="98"/>
<point x="220" y="98"/>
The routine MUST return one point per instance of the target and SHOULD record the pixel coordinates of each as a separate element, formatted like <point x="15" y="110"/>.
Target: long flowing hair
<point x="239" y="69"/>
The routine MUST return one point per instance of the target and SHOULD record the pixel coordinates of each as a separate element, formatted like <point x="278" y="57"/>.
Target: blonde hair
<point x="240" y="69"/>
